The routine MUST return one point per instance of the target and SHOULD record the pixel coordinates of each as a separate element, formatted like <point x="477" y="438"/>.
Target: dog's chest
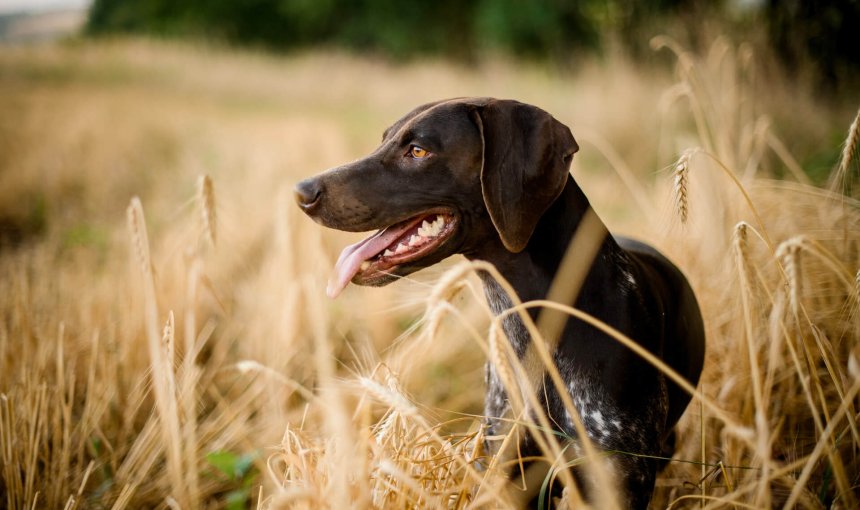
<point x="605" y="423"/>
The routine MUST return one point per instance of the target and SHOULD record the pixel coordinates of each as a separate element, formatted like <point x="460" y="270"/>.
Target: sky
<point x="15" y="6"/>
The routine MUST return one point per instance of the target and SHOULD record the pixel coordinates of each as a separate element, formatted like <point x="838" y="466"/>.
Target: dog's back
<point x="684" y="338"/>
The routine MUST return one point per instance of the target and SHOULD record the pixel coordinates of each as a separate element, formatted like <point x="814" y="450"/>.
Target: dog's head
<point x="447" y="177"/>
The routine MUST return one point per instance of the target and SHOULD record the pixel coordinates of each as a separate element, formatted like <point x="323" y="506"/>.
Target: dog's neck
<point x="530" y="272"/>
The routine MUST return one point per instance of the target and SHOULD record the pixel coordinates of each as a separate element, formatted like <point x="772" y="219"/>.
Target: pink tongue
<point x="353" y="255"/>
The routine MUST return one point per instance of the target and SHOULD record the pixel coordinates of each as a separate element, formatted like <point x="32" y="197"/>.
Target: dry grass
<point x="144" y="365"/>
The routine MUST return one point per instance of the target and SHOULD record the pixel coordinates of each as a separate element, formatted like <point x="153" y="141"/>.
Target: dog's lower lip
<point x="361" y="259"/>
<point x="439" y="229"/>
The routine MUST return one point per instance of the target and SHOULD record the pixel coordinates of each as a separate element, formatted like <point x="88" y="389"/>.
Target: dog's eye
<point x="417" y="152"/>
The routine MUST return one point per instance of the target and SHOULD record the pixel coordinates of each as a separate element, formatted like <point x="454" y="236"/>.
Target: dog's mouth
<point x="395" y="245"/>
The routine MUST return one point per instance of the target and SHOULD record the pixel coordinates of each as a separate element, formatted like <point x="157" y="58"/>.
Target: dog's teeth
<point x="388" y="253"/>
<point x="428" y="229"/>
<point x="415" y="240"/>
<point x="364" y="265"/>
<point x="435" y="228"/>
<point x="400" y="249"/>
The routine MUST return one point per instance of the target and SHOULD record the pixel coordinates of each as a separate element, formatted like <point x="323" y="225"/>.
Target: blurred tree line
<point x="451" y="27"/>
<point x="822" y="32"/>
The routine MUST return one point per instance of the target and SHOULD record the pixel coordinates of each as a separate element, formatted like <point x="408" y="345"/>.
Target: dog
<point x="489" y="179"/>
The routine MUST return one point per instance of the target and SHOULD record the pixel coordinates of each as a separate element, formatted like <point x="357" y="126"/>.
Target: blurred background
<point x="179" y="352"/>
<point x="811" y="44"/>
<point x="800" y="33"/>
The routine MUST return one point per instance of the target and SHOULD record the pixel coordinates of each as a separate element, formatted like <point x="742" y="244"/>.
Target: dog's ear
<point x="527" y="155"/>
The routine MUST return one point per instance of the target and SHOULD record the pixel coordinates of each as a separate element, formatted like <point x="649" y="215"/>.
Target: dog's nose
<point x="308" y="193"/>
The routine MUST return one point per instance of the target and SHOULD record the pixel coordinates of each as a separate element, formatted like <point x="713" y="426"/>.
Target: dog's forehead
<point x="427" y="116"/>
<point x="440" y="118"/>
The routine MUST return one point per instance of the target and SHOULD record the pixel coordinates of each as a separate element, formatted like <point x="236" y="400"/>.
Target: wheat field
<point x="166" y="342"/>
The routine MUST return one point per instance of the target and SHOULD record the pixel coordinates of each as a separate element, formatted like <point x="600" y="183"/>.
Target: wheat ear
<point x="849" y="152"/>
<point x="139" y="239"/>
<point x="681" y="174"/>
<point x="206" y="199"/>
<point x="789" y="253"/>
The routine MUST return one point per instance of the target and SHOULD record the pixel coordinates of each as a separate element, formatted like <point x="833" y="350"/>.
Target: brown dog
<point x="489" y="179"/>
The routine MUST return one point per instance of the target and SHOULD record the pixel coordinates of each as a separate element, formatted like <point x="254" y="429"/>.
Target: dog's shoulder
<point x="652" y="272"/>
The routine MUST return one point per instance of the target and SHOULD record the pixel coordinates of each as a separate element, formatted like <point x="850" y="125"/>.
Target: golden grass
<point x="145" y="365"/>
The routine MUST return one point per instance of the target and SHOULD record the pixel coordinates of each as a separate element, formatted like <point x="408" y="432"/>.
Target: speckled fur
<point x="609" y="427"/>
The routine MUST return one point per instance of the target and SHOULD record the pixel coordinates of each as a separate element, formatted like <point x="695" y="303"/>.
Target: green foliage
<point x="545" y="28"/>
<point x="87" y="235"/>
<point x="537" y="28"/>
<point x="820" y="33"/>
<point x="233" y="466"/>
<point x="239" y="471"/>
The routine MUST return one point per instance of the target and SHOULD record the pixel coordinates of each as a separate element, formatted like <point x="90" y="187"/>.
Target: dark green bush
<point x="535" y="28"/>
<point x="820" y="33"/>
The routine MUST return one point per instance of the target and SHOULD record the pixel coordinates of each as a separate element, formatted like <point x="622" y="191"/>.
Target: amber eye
<point x="417" y="152"/>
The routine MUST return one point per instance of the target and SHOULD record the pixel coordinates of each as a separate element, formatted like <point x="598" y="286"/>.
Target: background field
<point x="182" y="354"/>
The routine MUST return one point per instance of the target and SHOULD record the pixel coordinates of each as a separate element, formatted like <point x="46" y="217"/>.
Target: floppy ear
<point x="527" y="155"/>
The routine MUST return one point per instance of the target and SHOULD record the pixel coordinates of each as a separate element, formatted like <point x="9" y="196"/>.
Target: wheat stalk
<point x="500" y="366"/>
<point x="849" y="154"/>
<point x="857" y="286"/>
<point x="789" y="253"/>
<point x="741" y="247"/>
<point x="390" y="396"/>
<point x="44" y="453"/>
<point x="854" y="363"/>
<point x="167" y="341"/>
<point x="139" y="239"/>
<point x="680" y="177"/>
<point x="449" y="284"/>
<point x="206" y="200"/>
<point x="162" y="373"/>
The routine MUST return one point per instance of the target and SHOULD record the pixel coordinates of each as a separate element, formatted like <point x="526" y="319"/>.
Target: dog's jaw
<point x="394" y="251"/>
